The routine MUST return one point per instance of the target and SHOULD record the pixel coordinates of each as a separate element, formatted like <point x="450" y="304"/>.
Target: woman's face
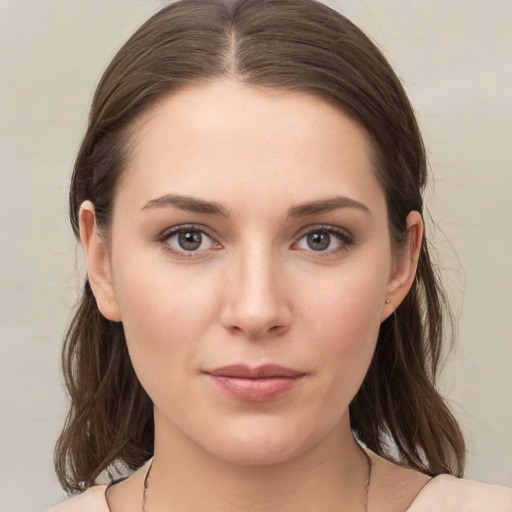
<point x="249" y="230"/>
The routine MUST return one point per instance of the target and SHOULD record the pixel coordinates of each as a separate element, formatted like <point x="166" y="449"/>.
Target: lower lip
<point x="255" y="390"/>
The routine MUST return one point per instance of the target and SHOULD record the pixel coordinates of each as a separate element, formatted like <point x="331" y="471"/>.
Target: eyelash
<point x="343" y="236"/>
<point x="164" y="238"/>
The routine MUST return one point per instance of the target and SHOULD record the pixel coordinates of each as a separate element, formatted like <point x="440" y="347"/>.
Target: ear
<point x="405" y="265"/>
<point x="99" y="268"/>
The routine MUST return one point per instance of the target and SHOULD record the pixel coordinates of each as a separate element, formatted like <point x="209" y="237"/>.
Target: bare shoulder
<point x="91" y="500"/>
<point x="447" y="493"/>
<point x="398" y="489"/>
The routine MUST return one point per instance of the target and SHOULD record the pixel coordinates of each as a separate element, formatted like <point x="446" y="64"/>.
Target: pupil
<point x="190" y="240"/>
<point x="319" y="241"/>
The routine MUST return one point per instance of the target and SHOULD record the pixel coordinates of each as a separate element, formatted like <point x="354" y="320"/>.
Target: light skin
<point x="249" y="228"/>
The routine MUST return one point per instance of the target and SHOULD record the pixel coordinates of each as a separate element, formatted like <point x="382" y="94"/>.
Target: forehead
<point x="214" y="138"/>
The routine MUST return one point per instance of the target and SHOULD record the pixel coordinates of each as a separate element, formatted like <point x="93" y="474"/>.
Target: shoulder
<point x="91" y="500"/>
<point x="446" y="493"/>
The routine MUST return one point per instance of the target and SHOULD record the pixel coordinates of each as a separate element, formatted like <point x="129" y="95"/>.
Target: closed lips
<point x="261" y="372"/>
<point x="260" y="384"/>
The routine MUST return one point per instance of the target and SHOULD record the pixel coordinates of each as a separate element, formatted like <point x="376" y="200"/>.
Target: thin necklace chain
<point x="366" y="488"/>
<point x="146" y="484"/>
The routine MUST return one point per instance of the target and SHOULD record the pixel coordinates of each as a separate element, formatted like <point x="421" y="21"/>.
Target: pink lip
<point x="259" y="384"/>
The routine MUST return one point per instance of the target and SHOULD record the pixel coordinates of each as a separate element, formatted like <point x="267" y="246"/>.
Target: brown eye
<point x="190" y="240"/>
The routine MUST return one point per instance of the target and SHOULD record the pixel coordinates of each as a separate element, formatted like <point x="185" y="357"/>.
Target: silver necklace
<point x="366" y="488"/>
<point x="146" y="484"/>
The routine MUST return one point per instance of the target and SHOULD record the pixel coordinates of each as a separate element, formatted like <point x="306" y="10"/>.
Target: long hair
<point x="292" y="45"/>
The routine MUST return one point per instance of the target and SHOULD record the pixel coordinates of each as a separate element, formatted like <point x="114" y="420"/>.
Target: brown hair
<point x="295" y="45"/>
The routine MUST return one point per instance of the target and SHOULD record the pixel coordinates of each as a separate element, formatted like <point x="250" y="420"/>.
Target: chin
<point x="262" y="443"/>
<point x="258" y="453"/>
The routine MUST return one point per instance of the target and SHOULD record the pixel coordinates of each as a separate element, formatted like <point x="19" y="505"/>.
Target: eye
<point x="318" y="241"/>
<point x="324" y="239"/>
<point x="187" y="239"/>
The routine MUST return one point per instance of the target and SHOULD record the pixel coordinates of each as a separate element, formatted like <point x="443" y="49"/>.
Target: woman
<point x="261" y="324"/>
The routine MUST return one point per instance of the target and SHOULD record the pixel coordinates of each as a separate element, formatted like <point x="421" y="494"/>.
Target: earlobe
<point x="406" y="264"/>
<point x="98" y="263"/>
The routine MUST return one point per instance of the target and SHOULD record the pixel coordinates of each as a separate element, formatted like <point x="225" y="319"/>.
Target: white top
<point x="443" y="493"/>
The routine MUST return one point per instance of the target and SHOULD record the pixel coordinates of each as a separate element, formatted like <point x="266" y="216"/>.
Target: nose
<point x="255" y="296"/>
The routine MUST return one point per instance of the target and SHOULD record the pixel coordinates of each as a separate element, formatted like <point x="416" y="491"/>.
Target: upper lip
<point x="243" y="371"/>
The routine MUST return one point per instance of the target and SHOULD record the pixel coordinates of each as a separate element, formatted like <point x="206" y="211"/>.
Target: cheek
<point x="349" y="300"/>
<point x="344" y="320"/>
<point x="164" y="313"/>
<point x="348" y="338"/>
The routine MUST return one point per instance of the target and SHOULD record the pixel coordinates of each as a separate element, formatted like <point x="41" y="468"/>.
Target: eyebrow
<point x="187" y="203"/>
<point x="193" y="204"/>
<point x="327" y="205"/>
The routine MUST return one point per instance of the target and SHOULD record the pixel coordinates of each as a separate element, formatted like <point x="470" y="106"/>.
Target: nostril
<point x="256" y="329"/>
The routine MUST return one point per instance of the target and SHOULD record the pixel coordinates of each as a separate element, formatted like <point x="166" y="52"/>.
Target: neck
<point x="328" y="476"/>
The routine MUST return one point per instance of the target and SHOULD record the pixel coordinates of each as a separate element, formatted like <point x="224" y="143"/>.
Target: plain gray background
<point x="454" y="59"/>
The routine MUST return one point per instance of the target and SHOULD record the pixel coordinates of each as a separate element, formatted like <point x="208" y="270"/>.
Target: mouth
<point x="261" y="384"/>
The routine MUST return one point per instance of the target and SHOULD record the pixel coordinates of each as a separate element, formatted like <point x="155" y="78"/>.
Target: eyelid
<point x="329" y="228"/>
<point x="346" y="238"/>
<point x="343" y="235"/>
<point x="174" y="230"/>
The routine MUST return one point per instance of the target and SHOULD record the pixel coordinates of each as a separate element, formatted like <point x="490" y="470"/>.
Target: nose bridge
<point x="255" y="302"/>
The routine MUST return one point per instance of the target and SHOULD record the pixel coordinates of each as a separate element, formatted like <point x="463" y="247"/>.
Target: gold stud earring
<point x="388" y="301"/>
